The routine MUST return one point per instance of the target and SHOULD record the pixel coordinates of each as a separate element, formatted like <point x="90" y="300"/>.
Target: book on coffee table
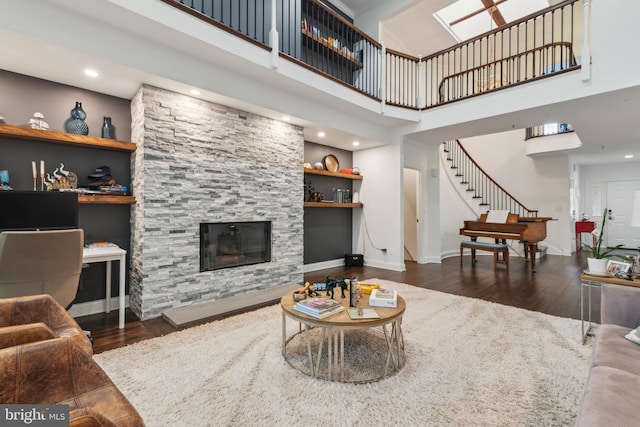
<point x="318" y="307"/>
<point x="384" y="298"/>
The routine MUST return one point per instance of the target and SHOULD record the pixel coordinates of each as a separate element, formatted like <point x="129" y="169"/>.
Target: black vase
<point x="75" y="124"/>
<point x="108" y="130"/>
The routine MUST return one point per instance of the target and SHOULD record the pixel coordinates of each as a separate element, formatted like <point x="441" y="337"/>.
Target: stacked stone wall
<point x="197" y="162"/>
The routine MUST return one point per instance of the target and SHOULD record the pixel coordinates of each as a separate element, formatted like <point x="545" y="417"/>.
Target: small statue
<point x="332" y="284"/>
<point x="61" y="179"/>
<point x="343" y="286"/>
<point x="37" y="122"/>
<point x="4" y="180"/>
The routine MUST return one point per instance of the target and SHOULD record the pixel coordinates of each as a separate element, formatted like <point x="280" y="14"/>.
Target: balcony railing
<point x="547" y="130"/>
<point x="316" y="37"/>
<point x="534" y="47"/>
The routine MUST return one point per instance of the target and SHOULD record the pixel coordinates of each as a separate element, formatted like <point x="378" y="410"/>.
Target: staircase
<point x="488" y="193"/>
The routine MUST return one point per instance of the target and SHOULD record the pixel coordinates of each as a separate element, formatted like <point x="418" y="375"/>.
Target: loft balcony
<point x="318" y="38"/>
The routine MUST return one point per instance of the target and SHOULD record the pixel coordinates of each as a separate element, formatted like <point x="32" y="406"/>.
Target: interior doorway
<point x="619" y="201"/>
<point x="411" y="200"/>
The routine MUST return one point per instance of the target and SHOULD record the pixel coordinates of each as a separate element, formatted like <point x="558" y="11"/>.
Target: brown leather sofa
<point x="48" y="360"/>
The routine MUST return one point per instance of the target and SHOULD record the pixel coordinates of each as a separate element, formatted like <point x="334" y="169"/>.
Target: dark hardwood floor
<point x="554" y="289"/>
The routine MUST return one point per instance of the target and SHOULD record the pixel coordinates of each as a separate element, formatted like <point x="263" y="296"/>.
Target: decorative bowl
<point x="298" y="296"/>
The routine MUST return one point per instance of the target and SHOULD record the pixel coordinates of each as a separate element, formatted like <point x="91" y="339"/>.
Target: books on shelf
<point x="318" y="307"/>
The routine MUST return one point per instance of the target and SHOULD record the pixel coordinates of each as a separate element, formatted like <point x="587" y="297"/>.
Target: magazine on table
<point x="318" y="307"/>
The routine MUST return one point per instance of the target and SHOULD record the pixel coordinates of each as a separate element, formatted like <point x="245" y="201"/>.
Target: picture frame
<point x="618" y="267"/>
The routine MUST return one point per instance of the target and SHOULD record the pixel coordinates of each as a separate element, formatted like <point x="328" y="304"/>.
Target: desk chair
<point x="41" y="262"/>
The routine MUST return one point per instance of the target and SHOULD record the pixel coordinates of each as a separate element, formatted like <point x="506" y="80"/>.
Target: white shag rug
<point x="468" y="363"/>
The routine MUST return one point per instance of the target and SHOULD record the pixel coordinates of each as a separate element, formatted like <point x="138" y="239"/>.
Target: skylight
<point x="466" y="19"/>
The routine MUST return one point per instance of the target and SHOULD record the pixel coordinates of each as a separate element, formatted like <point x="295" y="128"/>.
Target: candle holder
<point x="35" y="176"/>
<point x="41" y="175"/>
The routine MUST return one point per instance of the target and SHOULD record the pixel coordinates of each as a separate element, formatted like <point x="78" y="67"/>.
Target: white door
<point x="619" y="200"/>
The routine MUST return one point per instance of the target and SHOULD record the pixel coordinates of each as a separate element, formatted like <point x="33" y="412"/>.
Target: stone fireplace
<point x="199" y="162"/>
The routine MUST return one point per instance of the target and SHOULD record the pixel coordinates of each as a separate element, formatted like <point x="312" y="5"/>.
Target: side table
<point x="590" y="281"/>
<point x="584" y="227"/>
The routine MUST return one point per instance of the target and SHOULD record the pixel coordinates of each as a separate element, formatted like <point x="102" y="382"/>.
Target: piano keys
<point x="529" y="230"/>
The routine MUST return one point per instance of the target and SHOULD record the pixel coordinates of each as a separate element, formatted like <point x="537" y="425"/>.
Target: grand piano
<point x="528" y="230"/>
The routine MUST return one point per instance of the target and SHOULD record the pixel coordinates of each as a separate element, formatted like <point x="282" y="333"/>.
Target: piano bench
<point x="496" y="248"/>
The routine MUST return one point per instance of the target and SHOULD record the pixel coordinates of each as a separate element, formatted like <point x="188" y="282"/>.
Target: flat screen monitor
<point x="38" y="210"/>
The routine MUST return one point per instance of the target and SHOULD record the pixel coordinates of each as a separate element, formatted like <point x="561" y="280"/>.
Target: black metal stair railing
<point x="489" y="194"/>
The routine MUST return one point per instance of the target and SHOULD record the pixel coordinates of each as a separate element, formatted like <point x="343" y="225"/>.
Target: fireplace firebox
<point x="232" y="244"/>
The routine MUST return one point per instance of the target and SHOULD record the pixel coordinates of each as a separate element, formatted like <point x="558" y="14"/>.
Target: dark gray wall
<point x="327" y="231"/>
<point x="24" y="95"/>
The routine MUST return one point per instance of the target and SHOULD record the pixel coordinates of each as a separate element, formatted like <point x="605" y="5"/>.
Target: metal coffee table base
<point x="326" y="353"/>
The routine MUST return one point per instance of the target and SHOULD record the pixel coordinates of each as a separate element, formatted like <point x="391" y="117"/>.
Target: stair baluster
<point x="488" y="192"/>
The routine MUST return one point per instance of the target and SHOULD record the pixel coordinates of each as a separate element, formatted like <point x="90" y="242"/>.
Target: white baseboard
<point x="94" y="307"/>
<point x="385" y="265"/>
<point x="307" y="268"/>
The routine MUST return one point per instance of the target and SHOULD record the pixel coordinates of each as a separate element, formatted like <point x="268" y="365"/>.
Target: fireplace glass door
<point x="232" y="244"/>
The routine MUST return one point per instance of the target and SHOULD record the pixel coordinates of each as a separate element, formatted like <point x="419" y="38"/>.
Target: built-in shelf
<point x="331" y="205"/>
<point x="328" y="204"/>
<point x="324" y="43"/>
<point x="105" y="199"/>
<point x="55" y="137"/>
<point x="334" y="174"/>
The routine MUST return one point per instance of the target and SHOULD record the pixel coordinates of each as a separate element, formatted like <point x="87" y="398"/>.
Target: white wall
<point x="540" y="183"/>
<point x="454" y="210"/>
<point x="378" y="225"/>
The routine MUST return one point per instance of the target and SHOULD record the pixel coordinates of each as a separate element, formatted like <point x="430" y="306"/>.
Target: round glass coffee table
<point x="339" y="348"/>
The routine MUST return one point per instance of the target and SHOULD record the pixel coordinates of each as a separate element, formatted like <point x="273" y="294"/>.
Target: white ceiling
<point x="412" y="30"/>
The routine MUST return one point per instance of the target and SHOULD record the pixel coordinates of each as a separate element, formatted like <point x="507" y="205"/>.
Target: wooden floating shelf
<point x="334" y="174"/>
<point x="106" y="199"/>
<point x="331" y="205"/>
<point x="20" y="132"/>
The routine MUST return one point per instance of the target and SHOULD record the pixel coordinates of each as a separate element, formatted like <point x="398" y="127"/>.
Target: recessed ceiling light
<point x="195" y="92"/>
<point x="91" y="73"/>
<point x="321" y="134"/>
<point x="629" y="156"/>
<point x="286" y="118"/>
<point x="356" y="143"/>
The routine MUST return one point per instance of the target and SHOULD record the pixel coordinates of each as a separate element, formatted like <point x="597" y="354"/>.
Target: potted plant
<point x="598" y="257"/>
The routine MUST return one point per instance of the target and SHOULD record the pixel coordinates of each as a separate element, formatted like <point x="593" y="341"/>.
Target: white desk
<point x="108" y="254"/>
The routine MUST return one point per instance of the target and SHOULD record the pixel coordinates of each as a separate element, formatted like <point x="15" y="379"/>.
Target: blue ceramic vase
<point x="76" y="123"/>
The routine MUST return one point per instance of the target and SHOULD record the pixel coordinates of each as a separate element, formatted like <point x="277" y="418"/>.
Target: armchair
<point x="31" y="318"/>
<point x="41" y="262"/>
<point x="56" y="371"/>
